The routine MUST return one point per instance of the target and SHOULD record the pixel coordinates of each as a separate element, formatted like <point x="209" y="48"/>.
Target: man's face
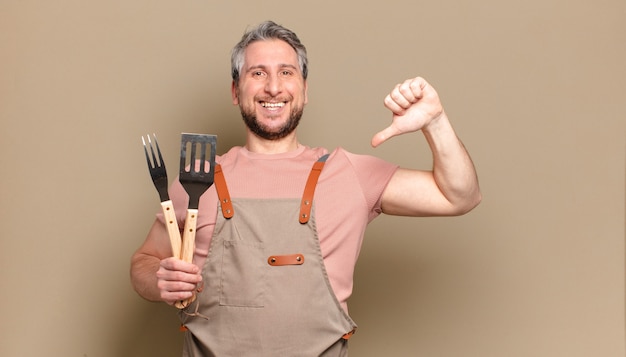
<point x="271" y="92"/>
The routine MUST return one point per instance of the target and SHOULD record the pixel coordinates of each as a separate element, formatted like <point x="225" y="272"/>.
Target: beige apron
<point x="266" y="291"/>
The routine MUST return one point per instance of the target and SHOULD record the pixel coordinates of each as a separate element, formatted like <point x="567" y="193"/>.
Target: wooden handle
<point x="172" y="227"/>
<point x="189" y="236"/>
<point x="188" y="247"/>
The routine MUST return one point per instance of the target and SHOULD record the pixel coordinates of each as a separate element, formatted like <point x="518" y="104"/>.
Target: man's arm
<point x="451" y="188"/>
<point x="156" y="275"/>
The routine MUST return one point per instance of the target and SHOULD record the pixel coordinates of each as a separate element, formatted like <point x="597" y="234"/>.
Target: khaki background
<point x="536" y="90"/>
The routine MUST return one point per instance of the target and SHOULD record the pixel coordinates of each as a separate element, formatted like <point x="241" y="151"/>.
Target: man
<point x="273" y="277"/>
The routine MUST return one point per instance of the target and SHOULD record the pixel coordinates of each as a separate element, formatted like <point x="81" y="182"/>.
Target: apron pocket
<point x="242" y="279"/>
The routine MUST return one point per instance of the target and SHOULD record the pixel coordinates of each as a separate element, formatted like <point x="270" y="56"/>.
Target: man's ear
<point x="234" y="94"/>
<point x="306" y="90"/>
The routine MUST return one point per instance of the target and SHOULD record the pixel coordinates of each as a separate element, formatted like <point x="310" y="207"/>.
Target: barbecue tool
<point x="197" y="151"/>
<point x="156" y="166"/>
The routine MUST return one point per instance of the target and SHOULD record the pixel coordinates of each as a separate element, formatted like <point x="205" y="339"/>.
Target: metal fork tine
<point x="151" y="157"/>
<point x="154" y="160"/>
<point x="149" y="144"/>
<point x="160" y="162"/>
<point x="145" y="149"/>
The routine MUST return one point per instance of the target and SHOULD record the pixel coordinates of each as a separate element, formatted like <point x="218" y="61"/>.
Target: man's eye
<point x="286" y="73"/>
<point x="257" y="73"/>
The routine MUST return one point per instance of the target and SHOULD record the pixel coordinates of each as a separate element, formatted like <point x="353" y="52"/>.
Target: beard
<point x="265" y="132"/>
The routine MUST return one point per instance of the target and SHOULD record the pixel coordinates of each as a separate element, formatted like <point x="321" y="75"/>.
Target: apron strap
<point x="307" y="198"/>
<point x="222" y="192"/>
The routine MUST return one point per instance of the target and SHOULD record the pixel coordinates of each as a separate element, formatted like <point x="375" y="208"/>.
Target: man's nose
<point x="273" y="86"/>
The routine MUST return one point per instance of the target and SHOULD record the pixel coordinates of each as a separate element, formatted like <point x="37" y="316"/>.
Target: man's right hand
<point x="177" y="280"/>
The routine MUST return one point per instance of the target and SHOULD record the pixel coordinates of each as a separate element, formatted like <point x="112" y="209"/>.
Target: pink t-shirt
<point x="347" y="198"/>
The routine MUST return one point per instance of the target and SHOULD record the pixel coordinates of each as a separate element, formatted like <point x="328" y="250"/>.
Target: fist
<point x="177" y="280"/>
<point x="414" y="104"/>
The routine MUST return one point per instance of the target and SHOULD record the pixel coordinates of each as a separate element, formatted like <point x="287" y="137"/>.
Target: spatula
<point x="197" y="168"/>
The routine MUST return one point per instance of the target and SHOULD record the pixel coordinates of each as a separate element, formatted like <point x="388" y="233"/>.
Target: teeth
<point x="273" y="105"/>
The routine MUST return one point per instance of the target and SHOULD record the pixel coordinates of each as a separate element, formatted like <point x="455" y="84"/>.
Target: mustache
<point x="273" y="99"/>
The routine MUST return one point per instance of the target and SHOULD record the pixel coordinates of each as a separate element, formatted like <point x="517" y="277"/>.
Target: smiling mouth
<point x="270" y="105"/>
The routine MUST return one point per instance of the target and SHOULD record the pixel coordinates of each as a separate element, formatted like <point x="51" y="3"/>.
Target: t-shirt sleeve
<point x="373" y="175"/>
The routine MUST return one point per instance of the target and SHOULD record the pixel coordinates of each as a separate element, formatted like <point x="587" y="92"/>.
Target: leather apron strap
<point x="222" y="192"/>
<point x="309" y="189"/>
<point x="307" y="197"/>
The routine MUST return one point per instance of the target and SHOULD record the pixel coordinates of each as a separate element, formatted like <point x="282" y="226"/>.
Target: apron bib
<point x="266" y="291"/>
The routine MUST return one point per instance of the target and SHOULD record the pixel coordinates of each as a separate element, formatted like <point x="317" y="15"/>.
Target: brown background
<point x="536" y="89"/>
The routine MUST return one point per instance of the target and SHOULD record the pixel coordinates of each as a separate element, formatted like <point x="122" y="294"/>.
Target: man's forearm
<point x="143" y="276"/>
<point x="453" y="169"/>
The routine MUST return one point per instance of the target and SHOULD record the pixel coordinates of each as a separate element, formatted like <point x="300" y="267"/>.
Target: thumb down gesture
<point x="414" y="104"/>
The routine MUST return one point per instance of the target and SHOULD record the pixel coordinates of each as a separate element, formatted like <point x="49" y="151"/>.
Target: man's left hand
<point x="414" y="104"/>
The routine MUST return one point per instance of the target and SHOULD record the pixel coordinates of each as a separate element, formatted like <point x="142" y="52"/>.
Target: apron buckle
<point x="280" y="260"/>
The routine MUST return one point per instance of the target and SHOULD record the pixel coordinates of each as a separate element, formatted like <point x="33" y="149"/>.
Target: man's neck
<point x="264" y="146"/>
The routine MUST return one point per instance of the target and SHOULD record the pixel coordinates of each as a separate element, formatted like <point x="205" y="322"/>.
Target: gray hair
<point x="267" y="30"/>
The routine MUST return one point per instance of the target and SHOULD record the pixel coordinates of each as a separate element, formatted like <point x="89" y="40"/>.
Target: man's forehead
<point x="270" y="52"/>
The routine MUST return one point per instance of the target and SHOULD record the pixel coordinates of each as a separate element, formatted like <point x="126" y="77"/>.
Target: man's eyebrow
<point x="264" y="67"/>
<point x="289" y="66"/>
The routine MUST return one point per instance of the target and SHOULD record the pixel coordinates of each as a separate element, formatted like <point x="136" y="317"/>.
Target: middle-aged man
<point x="273" y="277"/>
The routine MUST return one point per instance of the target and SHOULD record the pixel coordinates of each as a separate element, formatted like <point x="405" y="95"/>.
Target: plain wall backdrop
<point x="536" y="90"/>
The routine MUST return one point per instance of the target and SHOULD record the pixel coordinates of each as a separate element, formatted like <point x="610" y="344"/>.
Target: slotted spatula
<point x="197" y="168"/>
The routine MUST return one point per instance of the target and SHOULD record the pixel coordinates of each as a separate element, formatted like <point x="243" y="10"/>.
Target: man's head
<point x="267" y="30"/>
<point x="269" y="69"/>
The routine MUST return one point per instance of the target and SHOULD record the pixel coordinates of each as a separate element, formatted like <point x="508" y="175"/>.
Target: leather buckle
<point x="280" y="260"/>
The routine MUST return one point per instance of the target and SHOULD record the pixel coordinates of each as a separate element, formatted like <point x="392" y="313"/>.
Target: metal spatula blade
<point x="197" y="165"/>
